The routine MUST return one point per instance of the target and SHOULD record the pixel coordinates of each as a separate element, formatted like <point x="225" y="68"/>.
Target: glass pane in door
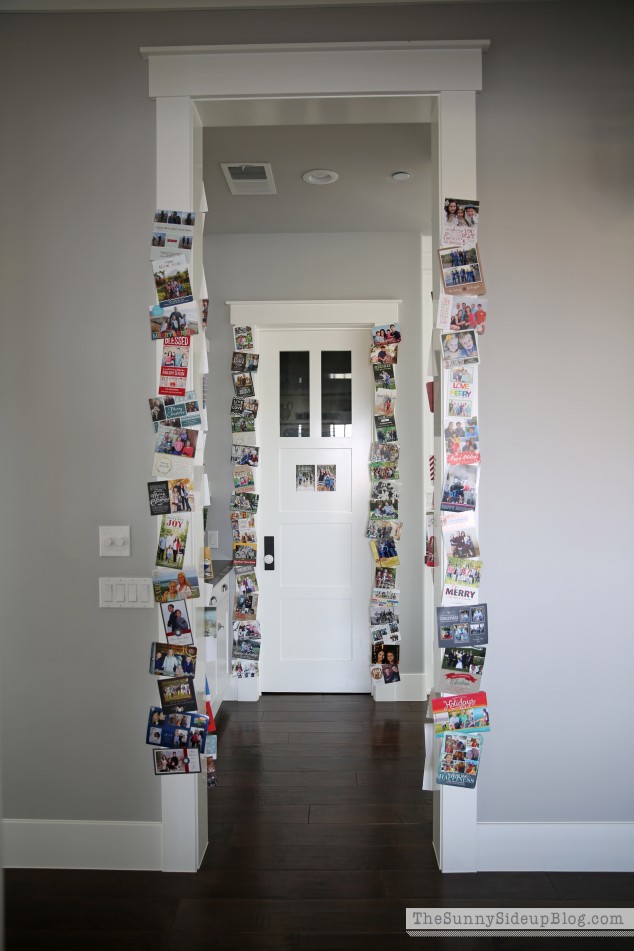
<point x="294" y="393"/>
<point x="336" y="393"/>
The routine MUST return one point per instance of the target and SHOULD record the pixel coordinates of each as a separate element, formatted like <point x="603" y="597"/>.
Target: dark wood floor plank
<point x="62" y="939"/>
<point x="286" y="884"/>
<point x="289" y="778"/>
<point x="323" y="761"/>
<point x="289" y="916"/>
<point x="336" y="726"/>
<point x="318" y="795"/>
<point x="235" y="737"/>
<point x="391" y="941"/>
<point x="384" y="778"/>
<point x="347" y="697"/>
<point x="607" y="886"/>
<point x="123" y="914"/>
<point x="256" y="811"/>
<point x="314" y="716"/>
<point x="335" y="836"/>
<point x="293" y="697"/>
<point x="352" y="858"/>
<point x="386" y="813"/>
<point x="381" y="742"/>
<point x="420" y="888"/>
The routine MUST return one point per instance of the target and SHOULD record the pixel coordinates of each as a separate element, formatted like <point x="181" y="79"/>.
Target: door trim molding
<point x="343" y="314"/>
<point x="452" y="76"/>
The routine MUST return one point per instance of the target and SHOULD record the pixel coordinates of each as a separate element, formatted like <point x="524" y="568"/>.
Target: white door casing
<point x="449" y="71"/>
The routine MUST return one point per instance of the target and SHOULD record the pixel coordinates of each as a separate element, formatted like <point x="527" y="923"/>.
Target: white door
<point x="315" y="389"/>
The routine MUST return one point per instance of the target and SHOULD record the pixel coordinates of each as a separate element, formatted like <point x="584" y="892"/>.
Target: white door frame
<point x="308" y="315"/>
<point x="451" y="72"/>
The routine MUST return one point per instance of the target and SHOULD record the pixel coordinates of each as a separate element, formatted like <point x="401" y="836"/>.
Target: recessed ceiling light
<point x="400" y="176"/>
<point x="320" y="176"/>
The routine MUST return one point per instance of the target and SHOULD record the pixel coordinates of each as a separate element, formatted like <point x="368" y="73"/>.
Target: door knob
<point x="269" y="553"/>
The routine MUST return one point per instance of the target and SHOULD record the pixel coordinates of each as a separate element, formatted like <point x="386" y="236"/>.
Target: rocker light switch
<point x="125" y="593"/>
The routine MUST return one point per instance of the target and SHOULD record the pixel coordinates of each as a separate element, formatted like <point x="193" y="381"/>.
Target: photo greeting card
<point x="460" y="348"/>
<point x="462" y="581"/>
<point x="243" y="338"/>
<point x="171" y="584"/>
<point x="465" y="713"/>
<point x="461" y="313"/>
<point x="461" y="669"/>
<point x="462" y="626"/>
<point x="169" y="411"/>
<point x="172" y="233"/>
<point x="177" y="730"/>
<point x="384" y="354"/>
<point x="245" y="455"/>
<point x="179" y="762"/>
<point x="387" y="452"/>
<point x="460" y="489"/>
<point x="459" y="222"/>
<point x="384" y="376"/>
<point x="179" y="320"/>
<point x="167" y="660"/>
<point x="242" y="360"/>
<point x="168" y="466"/>
<point x="460" y="534"/>
<point x="386" y="333"/>
<point x="461" y="271"/>
<point x="176" y="623"/>
<point x="177" y="694"/>
<point x="172" y="541"/>
<point x="459" y="759"/>
<point x="174" y="365"/>
<point x="172" y="280"/>
<point x="243" y="383"/>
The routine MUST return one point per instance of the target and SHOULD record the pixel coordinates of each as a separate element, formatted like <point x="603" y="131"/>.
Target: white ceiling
<point x="365" y="197"/>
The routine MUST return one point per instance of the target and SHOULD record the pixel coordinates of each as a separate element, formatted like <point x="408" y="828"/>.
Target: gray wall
<point x="554" y="152"/>
<point x="310" y="267"/>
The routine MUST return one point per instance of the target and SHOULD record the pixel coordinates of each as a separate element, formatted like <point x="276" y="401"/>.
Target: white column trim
<point x="179" y="185"/>
<point x="317" y="313"/>
<point x="314" y="70"/>
<point x="454" y="172"/>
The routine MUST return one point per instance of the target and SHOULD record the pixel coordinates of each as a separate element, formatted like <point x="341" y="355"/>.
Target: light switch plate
<point x="213" y="539"/>
<point x="114" y="540"/>
<point x="126" y="593"/>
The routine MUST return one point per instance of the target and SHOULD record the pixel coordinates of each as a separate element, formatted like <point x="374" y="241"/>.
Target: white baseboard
<point x="410" y="687"/>
<point x="61" y="843"/>
<point x="555" y="846"/>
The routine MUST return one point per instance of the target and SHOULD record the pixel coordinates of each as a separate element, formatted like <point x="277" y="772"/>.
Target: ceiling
<point x="365" y="197"/>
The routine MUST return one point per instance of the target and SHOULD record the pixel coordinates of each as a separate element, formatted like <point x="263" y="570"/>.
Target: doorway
<point x="448" y="74"/>
<point x="315" y="431"/>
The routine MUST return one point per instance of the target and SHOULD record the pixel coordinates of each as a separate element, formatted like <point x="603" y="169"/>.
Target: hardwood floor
<point x="319" y="838"/>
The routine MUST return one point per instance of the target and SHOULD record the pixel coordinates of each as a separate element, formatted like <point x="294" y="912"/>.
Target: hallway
<point x="319" y="838"/>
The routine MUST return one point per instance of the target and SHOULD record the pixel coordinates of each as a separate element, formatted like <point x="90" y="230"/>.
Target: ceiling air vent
<point x="249" y="178"/>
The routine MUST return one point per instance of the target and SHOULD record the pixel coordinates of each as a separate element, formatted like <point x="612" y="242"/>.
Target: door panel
<point x="314" y="605"/>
